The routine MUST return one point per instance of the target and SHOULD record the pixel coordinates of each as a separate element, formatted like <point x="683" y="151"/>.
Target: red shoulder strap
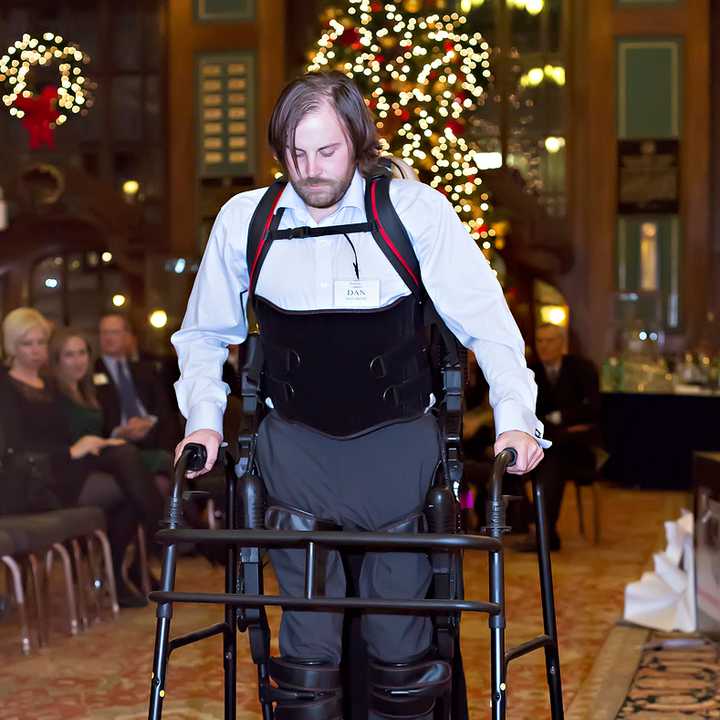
<point x="259" y="236"/>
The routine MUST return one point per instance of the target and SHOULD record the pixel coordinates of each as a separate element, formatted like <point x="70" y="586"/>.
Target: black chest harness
<point x="346" y="372"/>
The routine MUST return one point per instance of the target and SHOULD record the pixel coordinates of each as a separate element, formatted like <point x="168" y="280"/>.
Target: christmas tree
<point x="423" y="76"/>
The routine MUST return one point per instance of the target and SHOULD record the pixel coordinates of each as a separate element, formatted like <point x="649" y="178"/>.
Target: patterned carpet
<point x="104" y="674"/>
<point x="678" y="677"/>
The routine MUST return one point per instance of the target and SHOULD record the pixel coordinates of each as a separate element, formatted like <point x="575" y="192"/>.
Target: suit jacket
<point x="154" y="396"/>
<point x="575" y="393"/>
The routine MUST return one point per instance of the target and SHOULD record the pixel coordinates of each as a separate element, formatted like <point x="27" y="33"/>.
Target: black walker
<point x="244" y="599"/>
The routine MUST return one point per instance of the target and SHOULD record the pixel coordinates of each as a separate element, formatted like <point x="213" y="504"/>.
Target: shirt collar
<point x="554" y="368"/>
<point x="354" y="197"/>
<point x="113" y="363"/>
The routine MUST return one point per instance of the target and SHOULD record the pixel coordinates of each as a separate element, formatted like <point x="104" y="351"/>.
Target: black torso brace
<point x="345" y="372"/>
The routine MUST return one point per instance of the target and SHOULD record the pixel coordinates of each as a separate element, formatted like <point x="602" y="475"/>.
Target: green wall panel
<point x="648" y="88"/>
<point x="224" y="10"/>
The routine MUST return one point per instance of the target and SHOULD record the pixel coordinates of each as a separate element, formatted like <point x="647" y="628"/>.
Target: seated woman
<point x="70" y="368"/>
<point x="40" y="424"/>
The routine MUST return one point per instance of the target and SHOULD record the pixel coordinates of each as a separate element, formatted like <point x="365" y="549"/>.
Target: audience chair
<point x="601" y="457"/>
<point x="36" y="538"/>
<point x="8" y="548"/>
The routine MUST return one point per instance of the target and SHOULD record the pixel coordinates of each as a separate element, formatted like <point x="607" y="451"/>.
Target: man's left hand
<point x="137" y="428"/>
<point x="529" y="453"/>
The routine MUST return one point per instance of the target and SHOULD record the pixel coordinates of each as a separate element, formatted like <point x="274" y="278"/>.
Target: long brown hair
<point x="85" y="395"/>
<point x="304" y="95"/>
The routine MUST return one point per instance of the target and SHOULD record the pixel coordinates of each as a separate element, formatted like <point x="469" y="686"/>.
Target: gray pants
<point x="364" y="483"/>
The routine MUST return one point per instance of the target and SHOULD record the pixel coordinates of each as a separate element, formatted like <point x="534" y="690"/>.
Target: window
<point x="78" y="288"/>
<point x="126" y="45"/>
<point x="524" y="115"/>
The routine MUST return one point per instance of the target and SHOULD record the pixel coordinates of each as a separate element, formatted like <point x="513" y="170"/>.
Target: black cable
<point x="355" y="264"/>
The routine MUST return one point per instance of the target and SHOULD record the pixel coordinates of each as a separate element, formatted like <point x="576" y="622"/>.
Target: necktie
<point x="129" y="404"/>
<point x="552" y="374"/>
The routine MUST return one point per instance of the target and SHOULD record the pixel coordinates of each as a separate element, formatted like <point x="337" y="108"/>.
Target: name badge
<point x="357" y="293"/>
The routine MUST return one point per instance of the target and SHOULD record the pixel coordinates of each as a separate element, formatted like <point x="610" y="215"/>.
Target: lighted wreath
<point x="41" y="112"/>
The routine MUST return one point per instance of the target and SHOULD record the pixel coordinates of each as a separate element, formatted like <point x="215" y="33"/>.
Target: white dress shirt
<point x="299" y="274"/>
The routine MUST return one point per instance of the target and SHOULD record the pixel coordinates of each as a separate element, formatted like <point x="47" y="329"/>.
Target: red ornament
<point x="350" y="37"/>
<point x="40" y="113"/>
<point x="404" y="115"/>
<point x="376" y="7"/>
<point x="449" y="45"/>
<point x="456" y="127"/>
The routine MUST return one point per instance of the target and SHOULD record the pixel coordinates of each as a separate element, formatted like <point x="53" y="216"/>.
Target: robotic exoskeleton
<point x="403" y="355"/>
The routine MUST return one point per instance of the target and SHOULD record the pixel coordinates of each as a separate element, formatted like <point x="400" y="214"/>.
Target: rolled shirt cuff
<point x="512" y="415"/>
<point x="204" y="416"/>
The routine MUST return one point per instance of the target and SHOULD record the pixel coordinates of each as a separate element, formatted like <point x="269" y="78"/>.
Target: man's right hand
<point x="210" y="439"/>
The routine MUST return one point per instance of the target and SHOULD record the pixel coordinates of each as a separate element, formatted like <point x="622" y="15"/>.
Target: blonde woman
<point x="35" y="421"/>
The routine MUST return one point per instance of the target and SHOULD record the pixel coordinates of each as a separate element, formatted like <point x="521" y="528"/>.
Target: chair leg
<point x="552" y="658"/>
<point x="109" y="572"/>
<point x="14" y="570"/>
<point x="581" y="514"/>
<point x="212" y="521"/>
<point x="83" y="583"/>
<point x="143" y="560"/>
<point x="46" y="574"/>
<point x="39" y="594"/>
<point x="72" y="606"/>
<point x="96" y="583"/>
<point x="596" y="513"/>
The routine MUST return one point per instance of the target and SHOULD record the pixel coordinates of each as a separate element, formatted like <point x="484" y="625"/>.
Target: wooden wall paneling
<point x="690" y="21"/>
<point x="265" y="36"/>
<point x="695" y="170"/>
<point x="181" y="137"/>
<point x="593" y="26"/>
<point x="591" y="173"/>
<point x="715" y="156"/>
<point x="271" y="77"/>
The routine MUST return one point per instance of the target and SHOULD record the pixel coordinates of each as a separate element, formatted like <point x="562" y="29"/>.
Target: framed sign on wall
<point x="648" y="176"/>
<point x="225" y="120"/>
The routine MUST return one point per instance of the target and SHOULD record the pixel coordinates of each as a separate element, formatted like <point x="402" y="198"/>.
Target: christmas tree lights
<point x="423" y="76"/>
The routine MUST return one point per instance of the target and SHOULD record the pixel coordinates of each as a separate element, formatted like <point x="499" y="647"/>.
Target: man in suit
<point x="134" y="400"/>
<point x="568" y="403"/>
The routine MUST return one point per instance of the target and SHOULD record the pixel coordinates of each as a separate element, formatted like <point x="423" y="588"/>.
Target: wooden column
<point x="186" y="37"/>
<point x="591" y="171"/>
<point x="715" y="157"/>
<point x="593" y="28"/>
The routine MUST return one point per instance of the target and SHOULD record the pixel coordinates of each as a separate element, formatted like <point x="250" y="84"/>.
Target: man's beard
<point x="323" y="193"/>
